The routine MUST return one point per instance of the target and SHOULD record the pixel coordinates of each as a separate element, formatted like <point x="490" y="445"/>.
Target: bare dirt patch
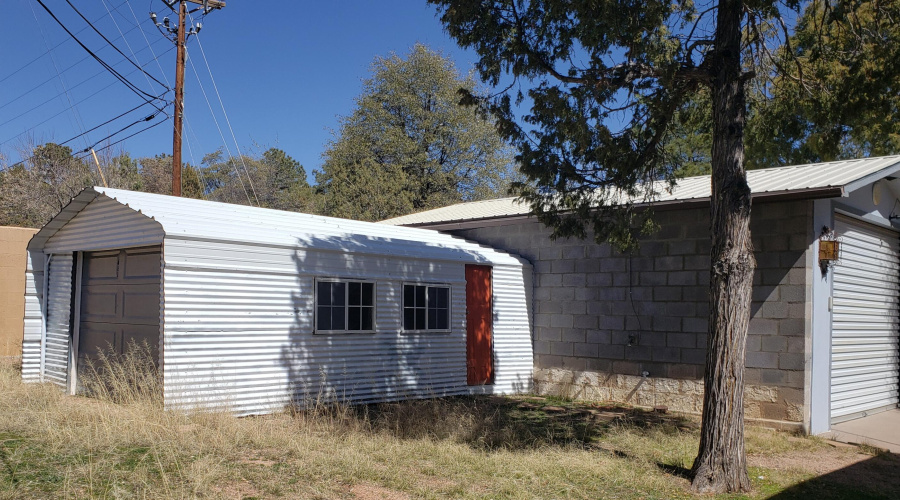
<point x="817" y="462"/>
<point x="369" y="491"/>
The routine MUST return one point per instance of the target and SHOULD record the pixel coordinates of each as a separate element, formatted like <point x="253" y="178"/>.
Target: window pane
<point x="432" y="319"/>
<point x="368" y="294"/>
<point x="409" y="292"/>
<point x="324" y="293"/>
<point x="355" y="294"/>
<point x="420" y="296"/>
<point x="367" y="318"/>
<point x="353" y="318"/>
<point x="324" y="318"/>
<point x="443" y="319"/>
<point x="409" y="318"/>
<point x="443" y="297"/>
<point x="432" y="297"/>
<point x="337" y="318"/>
<point x="420" y="319"/>
<point x="338" y="293"/>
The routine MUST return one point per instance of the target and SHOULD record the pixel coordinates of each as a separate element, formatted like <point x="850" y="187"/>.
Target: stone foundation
<point x="770" y="403"/>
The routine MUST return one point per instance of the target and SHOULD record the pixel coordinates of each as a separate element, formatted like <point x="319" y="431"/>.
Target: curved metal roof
<point x="199" y="219"/>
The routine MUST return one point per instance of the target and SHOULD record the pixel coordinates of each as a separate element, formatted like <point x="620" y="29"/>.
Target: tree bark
<point x="721" y="464"/>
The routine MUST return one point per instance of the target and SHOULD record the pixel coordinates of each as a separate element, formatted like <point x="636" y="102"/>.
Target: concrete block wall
<point x="602" y="318"/>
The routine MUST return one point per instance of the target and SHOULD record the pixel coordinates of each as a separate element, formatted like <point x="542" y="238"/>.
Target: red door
<point x="479" y="320"/>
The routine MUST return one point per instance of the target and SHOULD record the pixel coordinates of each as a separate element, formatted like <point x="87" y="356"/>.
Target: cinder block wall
<point x="602" y="318"/>
<point x="13" y="241"/>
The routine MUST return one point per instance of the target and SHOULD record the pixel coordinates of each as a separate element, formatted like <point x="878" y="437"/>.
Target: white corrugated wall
<point x="237" y="303"/>
<point x="513" y="357"/>
<point x="104" y="224"/>
<point x="59" y="310"/>
<point x="239" y="329"/>
<point x="99" y="224"/>
<point x="34" y="322"/>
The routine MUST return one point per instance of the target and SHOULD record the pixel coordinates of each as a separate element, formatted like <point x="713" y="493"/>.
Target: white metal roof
<point x="837" y="178"/>
<point x="200" y="219"/>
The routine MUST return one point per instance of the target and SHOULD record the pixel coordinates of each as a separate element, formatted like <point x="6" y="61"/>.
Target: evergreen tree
<point x="409" y="145"/>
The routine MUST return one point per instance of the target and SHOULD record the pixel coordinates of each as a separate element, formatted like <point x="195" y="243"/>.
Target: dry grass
<point x="53" y="446"/>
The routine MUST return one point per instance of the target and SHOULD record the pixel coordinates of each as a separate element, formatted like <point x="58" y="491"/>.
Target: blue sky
<point x="285" y="71"/>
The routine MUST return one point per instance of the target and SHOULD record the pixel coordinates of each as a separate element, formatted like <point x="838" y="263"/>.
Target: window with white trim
<point x="426" y="307"/>
<point x="345" y="306"/>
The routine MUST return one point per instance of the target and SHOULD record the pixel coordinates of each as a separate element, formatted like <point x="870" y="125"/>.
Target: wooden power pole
<point x="179" y="100"/>
<point x="181" y="55"/>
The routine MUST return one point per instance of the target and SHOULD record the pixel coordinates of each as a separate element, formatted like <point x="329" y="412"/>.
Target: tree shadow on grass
<point x="874" y="478"/>
<point x="511" y="423"/>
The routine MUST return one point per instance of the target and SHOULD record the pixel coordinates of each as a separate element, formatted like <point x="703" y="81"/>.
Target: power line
<point x="136" y="65"/>
<point x="125" y="81"/>
<point x="38" y="86"/>
<point x="222" y="135"/>
<point x="51" y="99"/>
<point x="227" y="121"/>
<point x="63" y="143"/>
<point x="155" y="98"/>
<point x="127" y="137"/>
<point x="75" y="116"/>
<point x="36" y="59"/>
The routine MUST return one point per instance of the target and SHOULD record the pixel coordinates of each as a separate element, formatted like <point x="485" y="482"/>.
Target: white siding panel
<point x="105" y="224"/>
<point x="59" y="310"/>
<point x="31" y="341"/>
<point x="865" y="370"/>
<point x="239" y="331"/>
<point x="513" y="357"/>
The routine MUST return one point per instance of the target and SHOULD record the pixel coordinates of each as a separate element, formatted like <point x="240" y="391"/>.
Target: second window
<point x="426" y="307"/>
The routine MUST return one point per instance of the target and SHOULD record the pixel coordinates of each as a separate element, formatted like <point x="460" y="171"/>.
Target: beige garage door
<point x="120" y="293"/>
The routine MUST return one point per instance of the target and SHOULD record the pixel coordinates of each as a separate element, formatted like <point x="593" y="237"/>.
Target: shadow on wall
<point x="388" y="364"/>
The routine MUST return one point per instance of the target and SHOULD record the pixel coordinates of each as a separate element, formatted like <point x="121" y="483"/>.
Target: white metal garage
<point x="253" y="309"/>
<point x="865" y="321"/>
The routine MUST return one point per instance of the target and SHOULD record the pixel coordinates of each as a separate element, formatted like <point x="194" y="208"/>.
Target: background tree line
<point x="409" y="145"/>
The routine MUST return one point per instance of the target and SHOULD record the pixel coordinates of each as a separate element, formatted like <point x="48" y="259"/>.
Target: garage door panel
<point x="865" y="353"/>
<point x="101" y="268"/>
<point x="99" y="304"/>
<point x="142" y="265"/>
<point x="121" y="302"/>
<point x="141" y="306"/>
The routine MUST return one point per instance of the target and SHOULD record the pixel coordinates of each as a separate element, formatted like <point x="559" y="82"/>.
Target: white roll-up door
<point x="865" y="321"/>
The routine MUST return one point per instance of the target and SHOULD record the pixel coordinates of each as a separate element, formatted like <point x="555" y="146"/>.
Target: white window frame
<point x="347" y="306"/>
<point x="449" y="288"/>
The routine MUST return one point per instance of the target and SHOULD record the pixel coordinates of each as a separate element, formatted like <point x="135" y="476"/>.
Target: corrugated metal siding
<point x="59" y="310"/>
<point x="237" y="302"/>
<point x="239" y="330"/>
<point x="768" y="180"/>
<point x="31" y="342"/>
<point x="513" y="357"/>
<point x="104" y="225"/>
<point x="865" y="370"/>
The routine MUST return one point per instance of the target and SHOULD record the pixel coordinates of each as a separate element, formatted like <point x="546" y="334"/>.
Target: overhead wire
<point x="38" y="58"/>
<point x="221" y="134"/>
<point x="75" y="116"/>
<point x="63" y="143"/>
<point x="225" y="114"/>
<point x="131" y="86"/>
<point x="38" y="86"/>
<point x="107" y="40"/>
<point x="156" y="98"/>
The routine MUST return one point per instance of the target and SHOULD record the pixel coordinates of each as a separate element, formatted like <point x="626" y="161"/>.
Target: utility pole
<point x="179" y="100"/>
<point x="181" y="33"/>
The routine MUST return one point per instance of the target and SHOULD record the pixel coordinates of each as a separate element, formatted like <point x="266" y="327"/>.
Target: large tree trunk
<point x="721" y="462"/>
